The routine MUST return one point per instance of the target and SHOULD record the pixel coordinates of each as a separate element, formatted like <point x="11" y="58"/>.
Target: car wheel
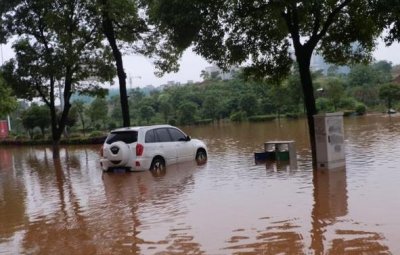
<point x="157" y="167"/>
<point x="201" y="157"/>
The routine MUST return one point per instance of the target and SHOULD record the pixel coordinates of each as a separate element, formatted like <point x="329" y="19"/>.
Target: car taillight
<point x="139" y="149"/>
<point x="101" y="151"/>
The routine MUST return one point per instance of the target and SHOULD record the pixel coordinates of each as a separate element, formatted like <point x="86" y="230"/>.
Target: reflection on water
<point x="227" y="206"/>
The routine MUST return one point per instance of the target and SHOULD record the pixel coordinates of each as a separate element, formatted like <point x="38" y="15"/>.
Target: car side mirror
<point x="188" y="138"/>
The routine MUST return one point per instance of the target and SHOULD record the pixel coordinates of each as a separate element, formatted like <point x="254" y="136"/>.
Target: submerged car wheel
<point x="201" y="156"/>
<point x="157" y="167"/>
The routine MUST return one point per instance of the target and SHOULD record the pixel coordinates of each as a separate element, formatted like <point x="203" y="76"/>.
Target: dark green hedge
<point x="259" y="118"/>
<point x="73" y="141"/>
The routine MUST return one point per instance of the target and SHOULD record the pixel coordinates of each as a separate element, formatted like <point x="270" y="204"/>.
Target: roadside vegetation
<point x="355" y="91"/>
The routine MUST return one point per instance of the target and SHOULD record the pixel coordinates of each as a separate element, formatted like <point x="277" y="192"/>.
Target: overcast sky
<point x="141" y="71"/>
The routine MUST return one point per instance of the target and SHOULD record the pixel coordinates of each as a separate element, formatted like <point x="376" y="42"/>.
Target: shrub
<point x="347" y="103"/>
<point x="74" y="135"/>
<point x="172" y="122"/>
<point x="347" y="113"/>
<point x="96" y="134"/>
<point x="204" y="121"/>
<point x="361" y="109"/>
<point x="238" y="116"/>
<point x="324" y="105"/>
<point x="37" y="137"/>
<point x="21" y="137"/>
<point x="292" y="115"/>
<point x="112" y="125"/>
<point x="259" y="118"/>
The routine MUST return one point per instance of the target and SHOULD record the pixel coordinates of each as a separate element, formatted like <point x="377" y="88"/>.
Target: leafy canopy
<point x="261" y="34"/>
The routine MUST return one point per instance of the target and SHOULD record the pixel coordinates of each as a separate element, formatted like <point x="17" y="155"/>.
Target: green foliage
<point x="146" y="112"/>
<point x="292" y="115"/>
<point x="98" y="112"/>
<point x="334" y="91"/>
<point x="249" y="104"/>
<point x="187" y="112"/>
<point x="258" y="118"/>
<point x="204" y="121"/>
<point x="96" y="134"/>
<point x="7" y="102"/>
<point x="57" y="44"/>
<point x="389" y="92"/>
<point x="238" y="116"/>
<point x="324" y="105"/>
<point x="361" y="109"/>
<point x="36" y="116"/>
<point x="202" y="103"/>
<point x="347" y="103"/>
<point x="78" y="111"/>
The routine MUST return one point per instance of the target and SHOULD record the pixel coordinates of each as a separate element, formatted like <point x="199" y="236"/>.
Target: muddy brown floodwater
<point x="228" y="206"/>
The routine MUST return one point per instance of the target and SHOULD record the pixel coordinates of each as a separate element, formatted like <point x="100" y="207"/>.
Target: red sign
<point x="3" y="129"/>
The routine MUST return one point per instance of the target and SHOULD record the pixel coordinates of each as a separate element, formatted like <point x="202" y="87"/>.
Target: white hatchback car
<point x="149" y="147"/>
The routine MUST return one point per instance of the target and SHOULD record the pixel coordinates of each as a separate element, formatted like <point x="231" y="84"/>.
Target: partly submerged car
<point x="149" y="148"/>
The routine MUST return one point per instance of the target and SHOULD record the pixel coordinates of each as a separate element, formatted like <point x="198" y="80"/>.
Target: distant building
<point x="216" y="72"/>
<point x="318" y="63"/>
<point x="173" y="83"/>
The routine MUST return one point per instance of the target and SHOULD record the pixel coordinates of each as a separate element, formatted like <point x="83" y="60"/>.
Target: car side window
<point x="177" y="135"/>
<point x="163" y="135"/>
<point x="150" y="137"/>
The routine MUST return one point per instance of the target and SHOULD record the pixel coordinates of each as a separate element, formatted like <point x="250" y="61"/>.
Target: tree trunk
<point x="108" y="31"/>
<point x="303" y="60"/>
<point x="53" y="114"/>
<point x="56" y="149"/>
<point x="83" y="124"/>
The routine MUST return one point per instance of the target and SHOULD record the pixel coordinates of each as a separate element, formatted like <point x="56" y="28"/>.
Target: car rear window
<point x="126" y="137"/>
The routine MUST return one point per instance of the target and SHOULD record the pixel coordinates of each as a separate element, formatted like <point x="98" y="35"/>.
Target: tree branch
<point x="287" y="16"/>
<point x="315" y="38"/>
<point x="38" y="89"/>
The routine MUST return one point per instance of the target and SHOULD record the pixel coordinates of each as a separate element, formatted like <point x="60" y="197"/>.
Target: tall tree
<point x="98" y="112"/>
<point x="36" y="116"/>
<point x="59" y="49"/>
<point x="262" y="33"/>
<point x="389" y="92"/>
<point x="124" y="26"/>
<point x="79" y="107"/>
<point x="120" y="21"/>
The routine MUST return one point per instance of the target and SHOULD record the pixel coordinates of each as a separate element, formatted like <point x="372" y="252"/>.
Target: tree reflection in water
<point x="330" y="203"/>
<point x="141" y="200"/>
<point x="12" y="206"/>
<point x="280" y="238"/>
<point x="66" y="226"/>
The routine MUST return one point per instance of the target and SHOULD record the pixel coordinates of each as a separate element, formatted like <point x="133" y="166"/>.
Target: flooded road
<point x="228" y="206"/>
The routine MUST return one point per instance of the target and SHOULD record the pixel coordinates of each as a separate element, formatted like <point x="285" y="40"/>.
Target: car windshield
<point x="126" y="137"/>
